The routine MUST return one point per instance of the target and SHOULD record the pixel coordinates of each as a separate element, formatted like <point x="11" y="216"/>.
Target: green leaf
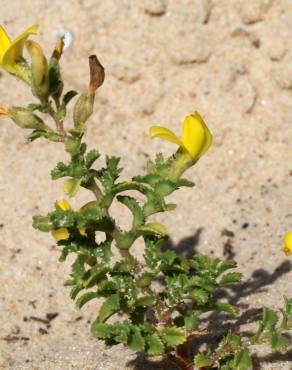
<point x="109" y="307"/>
<point x="201" y="360"/>
<point x="109" y="175"/>
<point x="152" y="228"/>
<point x="91" y="212"/>
<point x="154" y="345"/>
<point x="227" y="307"/>
<point x="231" y="277"/>
<point x="164" y="187"/>
<point x="74" y="291"/>
<point x="169" y="257"/>
<point x="42" y="223"/>
<point x="199" y="295"/>
<point x="44" y="108"/>
<point x="101" y="331"/>
<point x="225" y="265"/>
<point x="173" y="336"/>
<point x="69" y="96"/>
<point x="185" y="182"/>
<point x="268" y="324"/>
<point x="97" y="273"/>
<point x="146" y="301"/>
<point x="125" y="265"/>
<point x="242" y="360"/>
<point x="126" y="240"/>
<point x="71" y="187"/>
<point x="278" y="341"/>
<point x="91" y="157"/>
<point x="81" y="301"/>
<point x="50" y="135"/>
<point x="287" y="314"/>
<point x="144" y="280"/>
<point x="191" y="319"/>
<point x="136" y="342"/>
<point x="134" y="207"/>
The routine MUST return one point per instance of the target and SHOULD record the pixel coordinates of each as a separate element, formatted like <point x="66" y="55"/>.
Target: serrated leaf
<point x="91" y="157"/>
<point x="227" y="307"/>
<point x="201" y="360"/>
<point x="230" y="277"/>
<point x="164" y="187"/>
<point x="134" y="207"/>
<point x="71" y="187"/>
<point x="109" y="307"/>
<point x="125" y="265"/>
<point x="152" y="228"/>
<point x="81" y="301"/>
<point x="154" y="345"/>
<point x="136" y="342"/>
<point x="199" y="295"/>
<point x="101" y="331"/>
<point x="168" y="257"/>
<point x="173" y="336"/>
<point x="191" y="321"/>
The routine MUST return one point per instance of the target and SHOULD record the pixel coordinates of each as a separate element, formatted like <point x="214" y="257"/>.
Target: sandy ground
<point x="229" y="59"/>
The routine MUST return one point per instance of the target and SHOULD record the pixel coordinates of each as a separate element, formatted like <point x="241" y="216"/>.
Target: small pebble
<point x="155" y="7"/>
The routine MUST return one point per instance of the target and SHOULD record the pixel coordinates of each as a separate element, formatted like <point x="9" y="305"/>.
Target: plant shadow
<point x="257" y="283"/>
<point x="186" y="247"/>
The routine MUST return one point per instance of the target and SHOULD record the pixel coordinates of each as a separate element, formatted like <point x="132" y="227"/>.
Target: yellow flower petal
<point x="63" y="204"/>
<point x="287" y="248"/>
<point x="4" y="43"/>
<point x="208" y="135"/>
<point x="61" y="234"/>
<point x="165" y="134"/>
<point x="82" y="231"/>
<point x="193" y="135"/>
<point x="15" y="50"/>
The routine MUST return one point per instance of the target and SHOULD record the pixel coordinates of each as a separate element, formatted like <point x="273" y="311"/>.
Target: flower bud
<point x="96" y="74"/>
<point x="39" y="69"/>
<point x="83" y="110"/>
<point x="25" y="118"/>
<point x="287" y="247"/>
<point x="84" y="106"/>
<point x="5" y="112"/>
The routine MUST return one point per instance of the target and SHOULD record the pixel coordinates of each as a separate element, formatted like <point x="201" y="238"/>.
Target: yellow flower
<point x="63" y="204"/>
<point x="287" y="247"/>
<point x="11" y="51"/>
<point x="63" y="233"/>
<point x="196" y="137"/>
